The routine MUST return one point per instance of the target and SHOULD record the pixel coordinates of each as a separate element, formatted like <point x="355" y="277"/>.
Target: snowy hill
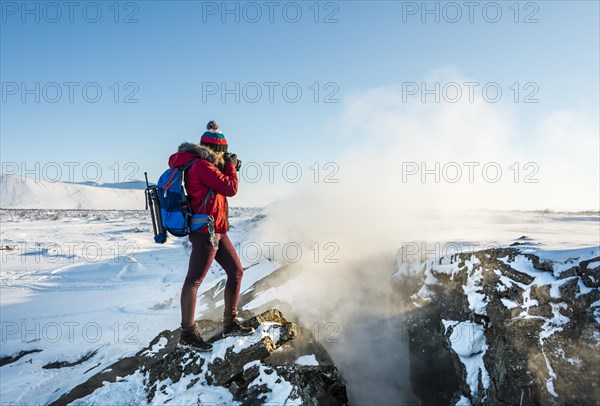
<point x="132" y="184"/>
<point x="18" y="192"/>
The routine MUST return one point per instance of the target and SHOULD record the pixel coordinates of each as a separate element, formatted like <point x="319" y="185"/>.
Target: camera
<point x="238" y="163"/>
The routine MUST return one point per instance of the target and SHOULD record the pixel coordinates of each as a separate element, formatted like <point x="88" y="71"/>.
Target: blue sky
<point x="175" y="48"/>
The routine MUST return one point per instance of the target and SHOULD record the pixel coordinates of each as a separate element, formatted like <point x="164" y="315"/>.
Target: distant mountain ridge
<point x="132" y="184"/>
<point x="17" y="192"/>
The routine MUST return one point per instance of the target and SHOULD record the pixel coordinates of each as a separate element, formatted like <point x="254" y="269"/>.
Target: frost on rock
<point x="477" y="300"/>
<point x="281" y="391"/>
<point x="162" y="342"/>
<point x="467" y="340"/>
<point x="463" y="401"/>
<point x="509" y="304"/>
<point x="520" y="326"/>
<point x="415" y="273"/>
<point x="307" y="360"/>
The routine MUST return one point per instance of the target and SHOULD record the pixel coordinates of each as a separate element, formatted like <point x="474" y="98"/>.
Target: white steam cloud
<point x="377" y="205"/>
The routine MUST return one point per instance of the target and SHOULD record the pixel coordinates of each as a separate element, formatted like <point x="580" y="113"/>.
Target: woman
<point x="213" y="174"/>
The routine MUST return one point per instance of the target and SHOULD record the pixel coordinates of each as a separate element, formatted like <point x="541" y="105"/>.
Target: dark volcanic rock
<point x="170" y="367"/>
<point x="63" y="364"/>
<point x="12" y="358"/>
<point x="236" y="363"/>
<point x="433" y="373"/>
<point x="319" y="385"/>
<point x="303" y="344"/>
<point x="541" y="330"/>
<point x="225" y="369"/>
<point x="312" y="385"/>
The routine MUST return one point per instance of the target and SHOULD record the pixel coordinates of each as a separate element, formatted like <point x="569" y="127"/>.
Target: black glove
<point x="237" y="164"/>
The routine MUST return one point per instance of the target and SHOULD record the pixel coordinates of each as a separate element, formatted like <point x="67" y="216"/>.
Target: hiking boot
<point x="233" y="327"/>
<point x="190" y="337"/>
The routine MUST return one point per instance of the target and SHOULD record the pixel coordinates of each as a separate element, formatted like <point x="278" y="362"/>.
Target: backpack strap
<point x="187" y="211"/>
<point x="210" y="221"/>
<point x="209" y="194"/>
<point x="186" y="166"/>
<point x="185" y="204"/>
<point x="182" y="169"/>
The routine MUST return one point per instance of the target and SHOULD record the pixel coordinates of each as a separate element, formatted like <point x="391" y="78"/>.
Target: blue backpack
<point x="171" y="210"/>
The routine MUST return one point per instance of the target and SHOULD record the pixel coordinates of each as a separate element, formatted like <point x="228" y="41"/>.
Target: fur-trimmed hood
<point x="201" y="150"/>
<point x="188" y="151"/>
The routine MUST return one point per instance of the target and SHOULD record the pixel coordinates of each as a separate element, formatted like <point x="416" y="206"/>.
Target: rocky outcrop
<point x="241" y="365"/>
<point x="504" y="326"/>
<point x="12" y="358"/>
<point x="311" y="386"/>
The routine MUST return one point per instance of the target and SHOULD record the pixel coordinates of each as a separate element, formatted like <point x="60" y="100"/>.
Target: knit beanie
<point x="214" y="138"/>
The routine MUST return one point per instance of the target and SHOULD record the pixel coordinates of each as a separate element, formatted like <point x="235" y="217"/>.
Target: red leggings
<point x="203" y="254"/>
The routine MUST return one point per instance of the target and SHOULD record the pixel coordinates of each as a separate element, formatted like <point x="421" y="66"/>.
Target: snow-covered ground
<point x="75" y="283"/>
<point x="93" y="283"/>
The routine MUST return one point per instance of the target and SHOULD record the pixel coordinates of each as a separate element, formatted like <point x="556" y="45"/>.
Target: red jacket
<point x="204" y="175"/>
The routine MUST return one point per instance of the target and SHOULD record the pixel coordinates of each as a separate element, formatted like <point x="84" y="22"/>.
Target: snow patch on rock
<point x="307" y="360"/>
<point x="467" y="340"/>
